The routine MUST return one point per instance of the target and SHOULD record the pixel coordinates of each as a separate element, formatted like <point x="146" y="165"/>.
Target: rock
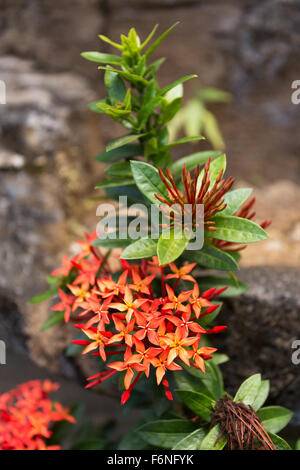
<point x="53" y="33"/>
<point x="262" y="325"/>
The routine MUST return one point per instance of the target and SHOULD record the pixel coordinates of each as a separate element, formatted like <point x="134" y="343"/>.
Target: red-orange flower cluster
<point x="27" y="414"/>
<point x="121" y="316"/>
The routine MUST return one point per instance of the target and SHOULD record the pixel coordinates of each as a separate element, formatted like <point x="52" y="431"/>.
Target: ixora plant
<point x="148" y="321"/>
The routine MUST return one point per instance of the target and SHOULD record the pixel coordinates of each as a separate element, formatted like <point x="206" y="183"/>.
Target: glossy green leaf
<point x="202" y="405"/>
<point x="171" y="245"/>
<point x="166" y="433"/>
<point x="123" y="140"/>
<point x="280" y="443"/>
<point x="119" y="169"/>
<point x="275" y="418"/>
<point x="191" y="161"/>
<point x="211" y="257"/>
<point x="185" y="140"/>
<point x="44" y="296"/>
<point x="57" y="317"/>
<point x="262" y="394"/>
<point x="101" y="57"/>
<point x="191" y="441"/>
<point x="213" y="441"/>
<point x="142" y="248"/>
<point x="115" y="87"/>
<point x="158" y="41"/>
<point x="185" y="381"/>
<point x="236" y="230"/>
<point x="297" y="446"/>
<point x="129" y="150"/>
<point x="248" y="391"/>
<point x="148" y="180"/>
<point x="212" y="378"/>
<point x="235" y="199"/>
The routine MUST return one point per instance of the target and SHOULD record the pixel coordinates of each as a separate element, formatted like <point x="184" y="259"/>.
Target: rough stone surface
<point x="262" y="325"/>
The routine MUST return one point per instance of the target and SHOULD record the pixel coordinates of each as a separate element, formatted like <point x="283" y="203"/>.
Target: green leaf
<point x="280" y="443"/>
<point x="57" y="317"/>
<point x="262" y="394"/>
<point x="123" y="140"/>
<point x="211" y="257"/>
<point x="142" y="248"/>
<point x="212" y="378"/>
<point x="44" y="296"/>
<point x="101" y="57"/>
<point x="129" y="150"/>
<point x="149" y="37"/>
<point x="191" y="161"/>
<point x="166" y="433"/>
<point x="167" y="88"/>
<point x="130" y="77"/>
<point x="185" y="381"/>
<point x="112" y="242"/>
<point x="109" y="41"/>
<point x="148" y="180"/>
<point x="169" y="109"/>
<point x="131" y="440"/>
<point x="158" y="41"/>
<point x="232" y="290"/>
<point x="235" y="199"/>
<point x="297" y="446"/>
<point x="274" y="418"/>
<point x="202" y="405"/>
<point x="95" y="106"/>
<point x="192" y="138"/>
<point x="153" y="68"/>
<point x="211" y="441"/>
<point x="191" y="441"/>
<point x="171" y="245"/>
<point x="207" y="319"/>
<point x="119" y="169"/>
<point x="248" y="391"/>
<point x="236" y="230"/>
<point x="214" y="95"/>
<point x="149" y="102"/>
<point x="212" y="131"/>
<point x="115" y="182"/>
<point x="115" y="87"/>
